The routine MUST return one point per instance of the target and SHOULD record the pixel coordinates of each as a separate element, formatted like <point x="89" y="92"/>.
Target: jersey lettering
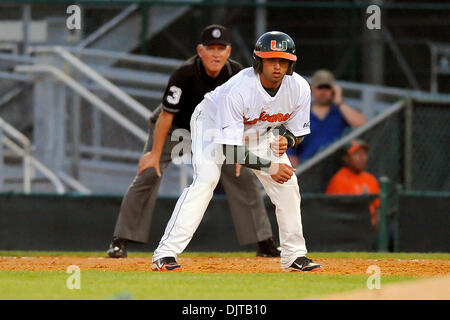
<point x="278" y="117"/>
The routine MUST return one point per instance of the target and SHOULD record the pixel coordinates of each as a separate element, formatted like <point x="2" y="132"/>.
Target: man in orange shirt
<point x="352" y="179"/>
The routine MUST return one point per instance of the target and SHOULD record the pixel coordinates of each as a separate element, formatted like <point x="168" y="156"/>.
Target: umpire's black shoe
<point x="117" y="248"/>
<point x="305" y="264"/>
<point x="267" y="249"/>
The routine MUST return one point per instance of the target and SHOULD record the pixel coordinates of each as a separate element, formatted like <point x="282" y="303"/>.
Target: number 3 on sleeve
<point x="175" y="96"/>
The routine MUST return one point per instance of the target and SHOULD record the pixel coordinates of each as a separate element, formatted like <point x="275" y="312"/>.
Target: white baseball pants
<point x="194" y="200"/>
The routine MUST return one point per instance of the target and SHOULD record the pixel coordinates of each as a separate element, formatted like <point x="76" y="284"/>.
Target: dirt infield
<point x="338" y="266"/>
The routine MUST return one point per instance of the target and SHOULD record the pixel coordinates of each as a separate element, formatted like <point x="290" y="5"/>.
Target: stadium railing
<point x="28" y="161"/>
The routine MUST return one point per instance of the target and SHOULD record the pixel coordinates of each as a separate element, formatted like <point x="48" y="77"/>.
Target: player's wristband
<point x="243" y="156"/>
<point x="293" y="141"/>
<point x="300" y="139"/>
<point x="290" y="138"/>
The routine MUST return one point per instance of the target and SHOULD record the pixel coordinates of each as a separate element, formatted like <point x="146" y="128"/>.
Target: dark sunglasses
<point x="324" y="86"/>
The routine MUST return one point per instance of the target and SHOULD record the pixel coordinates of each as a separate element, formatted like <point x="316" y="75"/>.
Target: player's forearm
<point x="353" y="117"/>
<point x="162" y="127"/>
<point x="243" y="156"/>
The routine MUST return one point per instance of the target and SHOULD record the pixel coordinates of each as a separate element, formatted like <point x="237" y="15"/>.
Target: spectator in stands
<point x="330" y="117"/>
<point x="352" y="177"/>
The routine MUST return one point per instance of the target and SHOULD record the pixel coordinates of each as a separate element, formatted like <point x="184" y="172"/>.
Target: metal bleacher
<point x="81" y="106"/>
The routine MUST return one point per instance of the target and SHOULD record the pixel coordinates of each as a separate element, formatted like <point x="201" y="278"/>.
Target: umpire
<point x="188" y="84"/>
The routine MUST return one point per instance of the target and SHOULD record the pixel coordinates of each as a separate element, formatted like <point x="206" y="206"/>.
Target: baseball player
<point x="187" y="86"/>
<point x="235" y="124"/>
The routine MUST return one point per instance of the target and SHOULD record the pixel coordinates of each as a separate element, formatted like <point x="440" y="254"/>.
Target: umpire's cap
<point x="215" y="34"/>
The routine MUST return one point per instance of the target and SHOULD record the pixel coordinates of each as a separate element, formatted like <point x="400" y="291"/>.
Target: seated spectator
<point x="352" y="179"/>
<point x="330" y="117"/>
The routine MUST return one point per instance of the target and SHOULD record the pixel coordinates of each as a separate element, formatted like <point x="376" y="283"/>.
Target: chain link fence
<point x="409" y="146"/>
<point x="430" y="141"/>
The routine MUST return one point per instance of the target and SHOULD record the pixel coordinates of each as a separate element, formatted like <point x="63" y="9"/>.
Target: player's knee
<point x="291" y="184"/>
<point x="209" y="178"/>
<point x="288" y="193"/>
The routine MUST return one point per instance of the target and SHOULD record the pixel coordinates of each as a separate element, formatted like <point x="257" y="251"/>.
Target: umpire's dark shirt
<point x="187" y="86"/>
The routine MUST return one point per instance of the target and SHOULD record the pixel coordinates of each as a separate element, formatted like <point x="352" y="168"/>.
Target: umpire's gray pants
<point x="243" y="194"/>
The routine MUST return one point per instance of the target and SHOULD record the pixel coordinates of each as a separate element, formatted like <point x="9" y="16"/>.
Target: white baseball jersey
<point x="241" y="106"/>
<point x="235" y="111"/>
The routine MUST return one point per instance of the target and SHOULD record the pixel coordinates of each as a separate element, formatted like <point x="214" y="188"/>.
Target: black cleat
<point x="117" y="248"/>
<point x="267" y="249"/>
<point x="166" y="264"/>
<point x="305" y="264"/>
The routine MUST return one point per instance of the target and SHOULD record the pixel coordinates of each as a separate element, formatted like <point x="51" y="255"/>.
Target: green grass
<point x="359" y="255"/>
<point x="96" y="284"/>
<point x="178" y="286"/>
